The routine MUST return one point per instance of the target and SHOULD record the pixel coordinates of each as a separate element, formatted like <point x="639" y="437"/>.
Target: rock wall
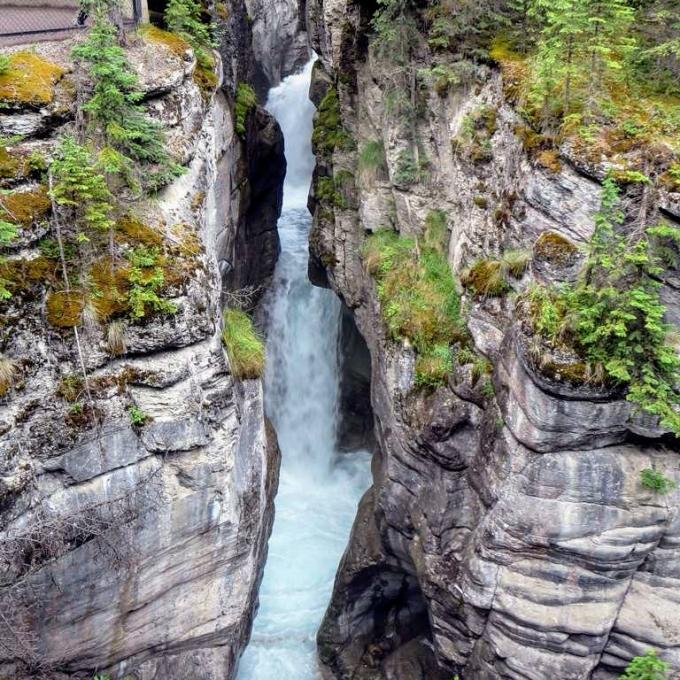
<point x="279" y="41"/>
<point x="505" y="536"/>
<point x="137" y="550"/>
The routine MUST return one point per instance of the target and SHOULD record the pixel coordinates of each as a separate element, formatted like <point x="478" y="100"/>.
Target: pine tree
<point x="117" y="119"/>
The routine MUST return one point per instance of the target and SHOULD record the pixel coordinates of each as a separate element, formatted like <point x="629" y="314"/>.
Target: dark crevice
<point x="355" y="428"/>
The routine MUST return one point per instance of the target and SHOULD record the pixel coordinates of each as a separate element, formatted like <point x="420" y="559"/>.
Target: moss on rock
<point x="29" y="81"/>
<point x="25" y="208"/>
<point x="65" y="309"/>
<point x="555" y="248"/>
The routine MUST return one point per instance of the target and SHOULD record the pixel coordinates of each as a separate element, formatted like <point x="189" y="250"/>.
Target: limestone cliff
<point x="506" y="534"/>
<point x="135" y="546"/>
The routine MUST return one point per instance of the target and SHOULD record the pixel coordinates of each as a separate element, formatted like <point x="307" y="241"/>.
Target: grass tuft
<point x="244" y="345"/>
<point x="419" y="299"/>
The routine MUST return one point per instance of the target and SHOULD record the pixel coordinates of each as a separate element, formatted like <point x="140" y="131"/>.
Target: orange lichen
<point x="30" y="80"/>
<point x="156" y="36"/>
<point x="25" y="208"/>
<point x="65" y="309"/>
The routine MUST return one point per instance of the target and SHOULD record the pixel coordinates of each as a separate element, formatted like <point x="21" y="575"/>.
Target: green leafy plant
<point x="647" y="667"/>
<point x="246" y="101"/>
<point x="244" y="345"/>
<point x="656" y="481"/>
<point x="5" y="64"/>
<point x="81" y="188"/>
<point x="137" y="417"/>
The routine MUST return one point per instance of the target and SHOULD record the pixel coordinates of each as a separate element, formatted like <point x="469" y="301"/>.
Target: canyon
<point x="502" y="532"/>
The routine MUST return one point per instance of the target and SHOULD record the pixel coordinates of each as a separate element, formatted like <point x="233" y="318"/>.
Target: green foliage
<point x="656" y="481"/>
<point x="614" y="316"/>
<point x="4" y="64"/>
<point x="418" y="297"/>
<point x="137" y="417"/>
<point x="244" y="345"/>
<point x="115" y="113"/>
<point x="81" y="188"/>
<point x="147" y="279"/>
<point x="246" y="101"/>
<point x="329" y="191"/>
<point x="183" y="17"/>
<point x="491" y="278"/>
<point x="329" y="134"/>
<point x="647" y="667"/>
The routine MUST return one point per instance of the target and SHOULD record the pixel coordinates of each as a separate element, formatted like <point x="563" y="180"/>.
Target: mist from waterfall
<point x="319" y="488"/>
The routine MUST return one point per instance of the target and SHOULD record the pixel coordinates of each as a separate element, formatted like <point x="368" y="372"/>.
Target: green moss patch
<point x="329" y="133"/>
<point x="29" y="80"/>
<point x="175" y="43"/>
<point x="246" y="101"/>
<point x="491" y="278"/>
<point x="419" y="300"/>
<point x="244" y="345"/>
<point x="556" y="249"/>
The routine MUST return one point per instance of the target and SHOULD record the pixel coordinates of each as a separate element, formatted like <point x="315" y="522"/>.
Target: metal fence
<point x="24" y="21"/>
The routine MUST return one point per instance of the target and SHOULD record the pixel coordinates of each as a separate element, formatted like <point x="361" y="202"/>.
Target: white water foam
<point x="319" y="488"/>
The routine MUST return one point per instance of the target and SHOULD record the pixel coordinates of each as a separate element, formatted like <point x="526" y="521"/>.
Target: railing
<point x="32" y="20"/>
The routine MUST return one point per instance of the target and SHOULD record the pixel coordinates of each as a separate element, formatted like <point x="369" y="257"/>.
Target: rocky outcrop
<point x="134" y="546"/>
<point x="279" y="41"/>
<point x="506" y="534"/>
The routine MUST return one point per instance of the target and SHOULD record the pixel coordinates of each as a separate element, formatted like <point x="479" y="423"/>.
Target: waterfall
<point x="319" y="488"/>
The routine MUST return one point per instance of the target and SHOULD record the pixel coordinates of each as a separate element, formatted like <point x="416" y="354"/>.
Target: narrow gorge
<point x="338" y="339"/>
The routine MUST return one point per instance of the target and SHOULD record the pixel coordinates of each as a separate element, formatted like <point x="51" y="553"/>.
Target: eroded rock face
<point x="137" y="549"/>
<point x="279" y="41"/>
<point x="506" y="535"/>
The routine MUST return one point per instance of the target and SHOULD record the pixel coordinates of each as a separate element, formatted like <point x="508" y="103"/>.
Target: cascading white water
<point x="319" y="488"/>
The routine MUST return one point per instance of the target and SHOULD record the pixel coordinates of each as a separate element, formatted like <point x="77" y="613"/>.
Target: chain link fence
<point x="23" y="21"/>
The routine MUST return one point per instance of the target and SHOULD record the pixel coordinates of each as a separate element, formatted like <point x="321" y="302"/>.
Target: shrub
<point x="433" y="368"/>
<point x="656" y="481"/>
<point x="128" y="134"/>
<point x="613" y="317"/>
<point x="245" y="347"/>
<point x="246" y="101"/>
<point x="409" y="170"/>
<point x="490" y="278"/>
<point x="137" y="417"/>
<point x="647" y="667"/>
